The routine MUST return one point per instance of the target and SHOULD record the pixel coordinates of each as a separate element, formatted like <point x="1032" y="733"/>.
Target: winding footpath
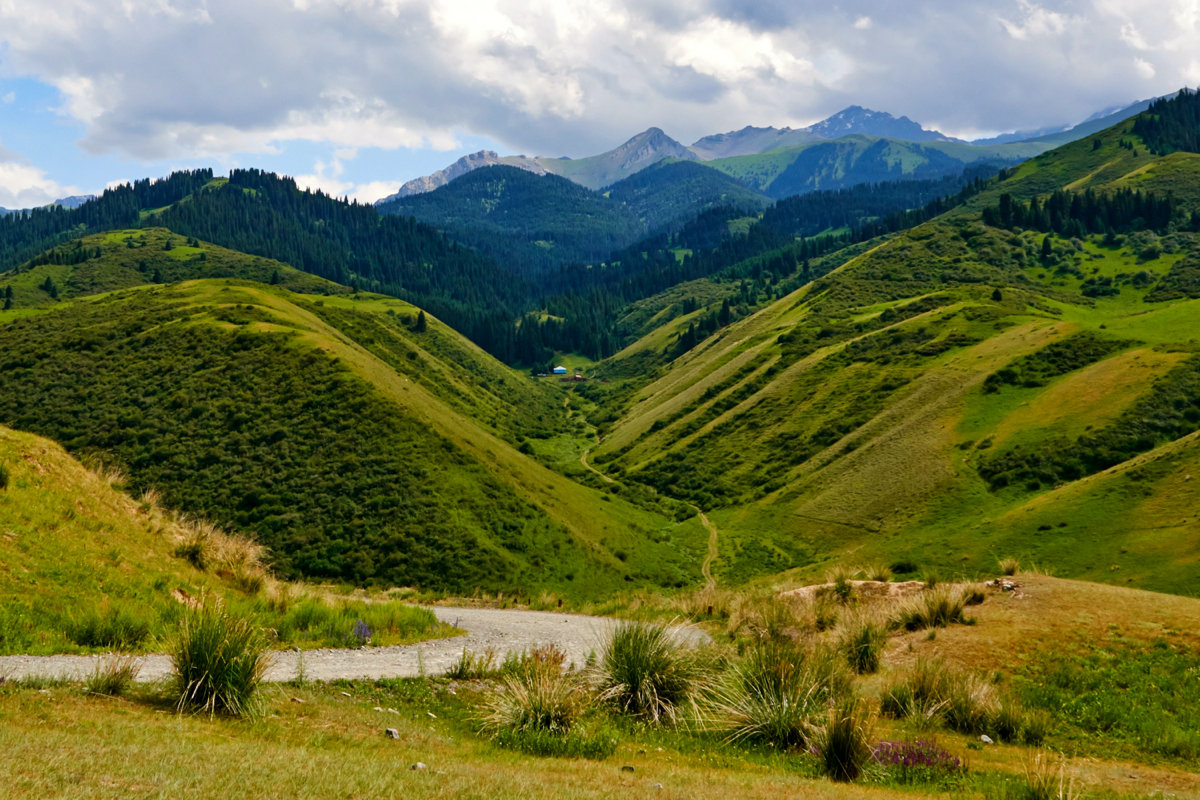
<point x="498" y="630"/>
<point x="710" y="581"/>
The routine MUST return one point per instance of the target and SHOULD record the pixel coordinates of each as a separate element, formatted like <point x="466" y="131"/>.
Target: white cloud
<point x="23" y="185"/>
<point x="186" y="79"/>
<point x="1036" y="21"/>
<point x="8" y="98"/>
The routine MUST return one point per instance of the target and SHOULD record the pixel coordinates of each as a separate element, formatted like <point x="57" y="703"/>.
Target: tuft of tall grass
<point x="1043" y="781"/>
<point x="645" y="671"/>
<point x="538" y="708"/>
<point x="843" y="740"/>
<point x="841" y="583"/>
<point x="862" y="641"/>
<point x="933" y="608"/>
<point x="113" y="675"/>
<point x="775" y="694"/>
<point x="109" y="626"/>
<point x="473" y="666"/>
<point x="219" y="660"/>
<point x="879" y="572"/>
<point x="1009" y="566"/>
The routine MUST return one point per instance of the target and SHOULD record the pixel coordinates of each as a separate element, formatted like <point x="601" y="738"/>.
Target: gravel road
<point x="500" y="630"/>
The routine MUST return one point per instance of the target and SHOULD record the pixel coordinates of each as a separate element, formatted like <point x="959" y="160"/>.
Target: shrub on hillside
<point x="219" y="660"/>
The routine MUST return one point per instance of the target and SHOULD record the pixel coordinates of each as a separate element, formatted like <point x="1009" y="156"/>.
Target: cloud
<point x="185" y="79"/>
<point x="23" y="185"/>
<point x="8" y="98"/>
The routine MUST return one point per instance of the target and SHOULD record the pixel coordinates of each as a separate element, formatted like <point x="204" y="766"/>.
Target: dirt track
<point x="487" y="628"/>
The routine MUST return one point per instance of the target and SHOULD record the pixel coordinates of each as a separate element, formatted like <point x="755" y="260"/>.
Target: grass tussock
<point x="645" y="671"/>
<point x="219" y="660"/>
<point x="843" y="740"/>
<point x="110" y="627"/>
<point x="936" y="607"/>
<point x="539" y="708"/>
<point x="933" y="695"/>
<point x="113" y="675"/>
<point x="209" y="548"/>
<point x="775" y="695"/>
<point x="1009" y="566"/>
<point x="861" y="642"/>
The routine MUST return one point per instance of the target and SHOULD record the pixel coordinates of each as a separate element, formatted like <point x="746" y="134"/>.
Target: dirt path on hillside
<point x="710" y="582"/>
<point x="500" y="630"/>
<point x="583" y="460"/>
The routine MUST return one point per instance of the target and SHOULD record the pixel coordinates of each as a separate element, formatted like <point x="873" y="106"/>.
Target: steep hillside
<point x="959" y="392"/>
<point x="121" y="259"/>
<point x="351" y="442"/>
<point x="672" y="192"/>
<point x="527" y="222"/>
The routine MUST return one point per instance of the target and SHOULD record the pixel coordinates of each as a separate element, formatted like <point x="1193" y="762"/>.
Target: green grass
<point x="128" y="258"/>
<point x="1121" y="696"/>
<point x="219" y="659"/>
<point x="236" y="372"/>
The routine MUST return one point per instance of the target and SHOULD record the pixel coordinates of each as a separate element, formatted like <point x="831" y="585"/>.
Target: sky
<point x="357" y="96"/>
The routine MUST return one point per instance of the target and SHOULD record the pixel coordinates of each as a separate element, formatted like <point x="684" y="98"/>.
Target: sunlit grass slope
<point x="354" y="445"/>
<point x="959" y="392"/>
<point x="84" y="566"/>
<point x="122" y="259"/>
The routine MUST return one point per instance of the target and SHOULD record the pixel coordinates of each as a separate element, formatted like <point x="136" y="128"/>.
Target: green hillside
<point x="83" y="566"/>
<point x="526" y="221"/>
<point x="671" y="192"/>
<point x="959" y="392"/>
<point x="353" y="444"/>
<point x="122" y="259"/>
<point x="851" y="160"/>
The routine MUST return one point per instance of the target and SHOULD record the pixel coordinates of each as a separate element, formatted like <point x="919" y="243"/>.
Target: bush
<point x="113" y="676"/>
<point x="648" y="673"/>
<point x="219" y="660"/>
<point x="775" y="694"/>
<point x="3" y="477"/>
<point x="112" y="627"/>
<point x="862" y="643"/>
<point x="843" y="740"/>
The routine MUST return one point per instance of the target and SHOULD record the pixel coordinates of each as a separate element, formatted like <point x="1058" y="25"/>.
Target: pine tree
<point x="421" y="325"/>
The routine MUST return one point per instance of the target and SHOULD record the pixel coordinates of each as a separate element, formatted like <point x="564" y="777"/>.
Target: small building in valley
<point x="560" y="370"/>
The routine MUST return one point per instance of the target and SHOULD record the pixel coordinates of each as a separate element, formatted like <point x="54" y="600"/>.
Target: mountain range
<point x="654" y="145"/>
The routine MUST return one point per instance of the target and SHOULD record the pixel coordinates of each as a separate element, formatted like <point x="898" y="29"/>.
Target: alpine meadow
<point x="845" y="459"/>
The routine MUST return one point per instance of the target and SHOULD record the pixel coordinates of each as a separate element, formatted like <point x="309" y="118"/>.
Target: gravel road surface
<point x="501" y="630"/>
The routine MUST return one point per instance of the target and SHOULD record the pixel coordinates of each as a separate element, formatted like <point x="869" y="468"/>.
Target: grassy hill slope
<point x="351" y="444"/>
<point x="83" y="566"/>
<point x="524" y="220"/>
<point x="959" y="392"/>
<point x="122" y="259"/>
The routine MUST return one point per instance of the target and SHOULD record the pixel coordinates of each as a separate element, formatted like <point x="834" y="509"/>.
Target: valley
<point x="859" y="436"/>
